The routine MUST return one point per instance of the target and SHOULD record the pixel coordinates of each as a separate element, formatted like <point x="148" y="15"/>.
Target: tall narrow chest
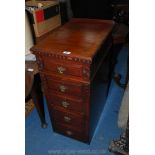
<point x="73" y="64"/>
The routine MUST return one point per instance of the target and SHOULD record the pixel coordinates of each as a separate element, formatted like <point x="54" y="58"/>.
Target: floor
<point x="29" y="106"/>
<point x="40" y="141"/>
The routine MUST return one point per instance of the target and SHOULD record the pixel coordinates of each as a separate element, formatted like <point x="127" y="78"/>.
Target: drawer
<point x="66" y="87"/>
<point x="66" y="117"/>
<point x="61" y="67"/>
<point x="65" y="102"/>
<point x="70" y="132"/>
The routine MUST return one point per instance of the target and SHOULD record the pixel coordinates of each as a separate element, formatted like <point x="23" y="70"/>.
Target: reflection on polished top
<point x="78" y="38"/>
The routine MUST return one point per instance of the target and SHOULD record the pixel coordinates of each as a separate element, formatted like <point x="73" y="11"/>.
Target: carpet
<point x="29" y="106"/>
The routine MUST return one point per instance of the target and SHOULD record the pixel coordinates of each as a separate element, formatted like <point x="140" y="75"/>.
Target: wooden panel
<point x="64" y="87"/>
<point x="76" y="133"/>
<point x="66" y="102"/>
<point x="66" y="117"/>
<point x="61" y="67"/>
<point x="82" y="37"/>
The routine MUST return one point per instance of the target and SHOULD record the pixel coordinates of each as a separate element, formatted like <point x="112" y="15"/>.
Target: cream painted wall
<point x="28" y="36"/>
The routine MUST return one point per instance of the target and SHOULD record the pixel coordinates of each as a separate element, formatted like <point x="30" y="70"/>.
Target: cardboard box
<point x="45" y="18"/>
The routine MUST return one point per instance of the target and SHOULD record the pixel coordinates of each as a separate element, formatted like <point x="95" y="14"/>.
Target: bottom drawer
<point x="67" y="118"/>
<point x="70" y="132"/>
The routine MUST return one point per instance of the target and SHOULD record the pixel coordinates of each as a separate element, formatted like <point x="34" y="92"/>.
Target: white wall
<point x="28" y="36"/>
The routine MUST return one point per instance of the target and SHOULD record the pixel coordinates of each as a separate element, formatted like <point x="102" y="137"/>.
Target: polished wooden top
<point x="82" y="37"/>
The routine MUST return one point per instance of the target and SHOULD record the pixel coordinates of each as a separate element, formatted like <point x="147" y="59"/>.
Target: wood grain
<point x="69" y="80"/>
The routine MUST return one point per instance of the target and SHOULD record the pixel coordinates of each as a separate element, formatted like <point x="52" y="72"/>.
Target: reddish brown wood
<point x="33" y="89"/>
<point x="70" y="78"/>
<point x="76" y="133"/>
<point x="82" y="37"/>
<point x="66" y="87"/>
<point x="61" y="67"/>
<point x="66" y="102"/>
<point x="67" y="117"/>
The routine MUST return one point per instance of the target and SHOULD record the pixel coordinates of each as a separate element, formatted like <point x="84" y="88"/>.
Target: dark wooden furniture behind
<point x="73" y="62"/>
<point x="33" y="89"/>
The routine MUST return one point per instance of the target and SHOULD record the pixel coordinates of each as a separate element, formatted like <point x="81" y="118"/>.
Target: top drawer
<point x="61" y="67"/>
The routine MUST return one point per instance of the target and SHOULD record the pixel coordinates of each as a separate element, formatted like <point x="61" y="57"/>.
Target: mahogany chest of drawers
<point x="72" y="61"/>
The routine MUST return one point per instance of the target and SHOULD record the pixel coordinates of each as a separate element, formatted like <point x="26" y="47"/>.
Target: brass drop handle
<point x="61" y="69"/>
<point x="69" y="133"/>
<point x="67" y="119"/>
<point x="62" y="88"/>
<point x="65" y="104"/>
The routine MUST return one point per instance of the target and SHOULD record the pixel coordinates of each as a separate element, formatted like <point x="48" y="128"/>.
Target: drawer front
<point x="67" y="118"/>
<point x="67" y="103"/>
<point x="61" y="67"/>
<point x="64" y="86"/>
<point x="70" y="132"/>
